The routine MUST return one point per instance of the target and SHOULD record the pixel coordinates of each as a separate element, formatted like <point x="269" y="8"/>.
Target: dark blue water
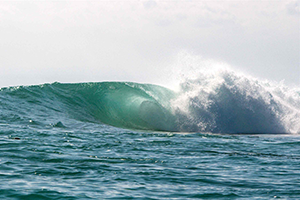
<point x="80" y="141"/>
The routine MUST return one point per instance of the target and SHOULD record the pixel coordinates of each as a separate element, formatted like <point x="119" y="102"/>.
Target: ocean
<point x="220" y="136"/>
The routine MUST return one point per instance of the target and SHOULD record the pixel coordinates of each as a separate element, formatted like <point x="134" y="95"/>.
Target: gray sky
<point x="83" y="41"/>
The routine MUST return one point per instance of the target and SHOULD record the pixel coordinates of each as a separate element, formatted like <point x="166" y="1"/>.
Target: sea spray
<point x="227" y="102"/>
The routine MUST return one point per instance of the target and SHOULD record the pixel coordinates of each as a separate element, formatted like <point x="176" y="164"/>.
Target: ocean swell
<point x="219" y="102"/>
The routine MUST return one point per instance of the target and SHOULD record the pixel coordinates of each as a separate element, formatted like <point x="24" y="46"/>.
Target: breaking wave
<point x="218" y="102"/>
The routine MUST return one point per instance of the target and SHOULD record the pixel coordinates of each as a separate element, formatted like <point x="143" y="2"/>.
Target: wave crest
<point x="221" y="102"/>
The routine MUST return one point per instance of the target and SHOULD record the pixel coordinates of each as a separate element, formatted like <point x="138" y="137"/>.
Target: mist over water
<point x="213" y="96"/>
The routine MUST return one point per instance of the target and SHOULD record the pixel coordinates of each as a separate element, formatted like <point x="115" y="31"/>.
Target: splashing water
<point x="227" y="102"/>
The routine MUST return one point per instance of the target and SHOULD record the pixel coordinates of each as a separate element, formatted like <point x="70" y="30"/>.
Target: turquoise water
<point x="134" y="141"/>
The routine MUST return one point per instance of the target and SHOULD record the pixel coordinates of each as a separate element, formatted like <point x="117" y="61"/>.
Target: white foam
<point x="222" y="100"/>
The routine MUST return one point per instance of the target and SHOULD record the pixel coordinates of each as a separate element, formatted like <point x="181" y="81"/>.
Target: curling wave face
<point x="120" y="104"/>
<point x="222" y="102"/>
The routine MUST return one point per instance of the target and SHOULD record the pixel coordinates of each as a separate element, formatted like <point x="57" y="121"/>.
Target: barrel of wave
<point x="135" y="106"/>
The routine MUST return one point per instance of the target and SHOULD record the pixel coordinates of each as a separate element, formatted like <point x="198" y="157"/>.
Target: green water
<point x="80" y="141"/>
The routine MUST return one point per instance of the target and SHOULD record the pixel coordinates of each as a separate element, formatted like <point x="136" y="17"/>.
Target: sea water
<point x="221" y="136"/>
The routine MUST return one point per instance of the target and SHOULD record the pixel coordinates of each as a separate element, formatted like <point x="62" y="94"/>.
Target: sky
<point x="144" y="41"/>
